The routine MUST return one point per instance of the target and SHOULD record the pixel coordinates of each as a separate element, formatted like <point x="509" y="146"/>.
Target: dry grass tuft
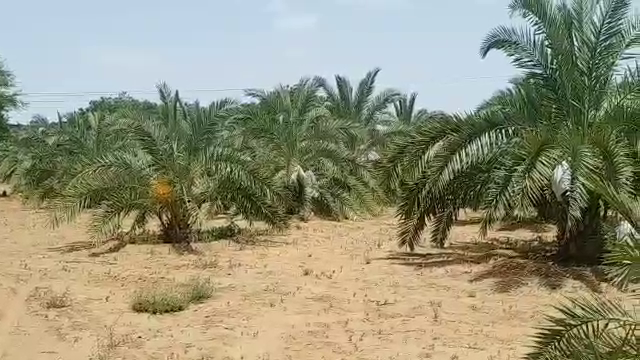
<point x="107" y="344"/>
<point x="172" y="298"/>
<point x="202" y="262"/>
<point x="51" y="299"/>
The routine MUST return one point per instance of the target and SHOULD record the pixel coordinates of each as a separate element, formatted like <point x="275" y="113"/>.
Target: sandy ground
<point x="322" y="291"/>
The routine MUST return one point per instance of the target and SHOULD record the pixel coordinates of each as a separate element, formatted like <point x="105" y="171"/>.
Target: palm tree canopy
<point x="362" y="108"/>
<point x="301" y="143"/>
<point x="361" y="105"/>
<point x="405" y="111"/>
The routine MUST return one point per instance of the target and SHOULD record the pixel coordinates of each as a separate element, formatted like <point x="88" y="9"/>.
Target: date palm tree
<point x="174" y="168"/>
<point x="297" y="140"/>
<point x="9" y="99"/>
<point x="566" y="128"/>
<point x="404" y="117"/>
<point x="360" y="107"/>
<point x="405" y="111"/>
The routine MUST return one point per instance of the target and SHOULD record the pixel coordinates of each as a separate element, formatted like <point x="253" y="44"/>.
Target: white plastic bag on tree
<point x="561" y="179"/>
<point x="626" y="233"/>
<point x="312" y="184"/>
<point x="372" y="156"/>
<point x="306" y="179"/>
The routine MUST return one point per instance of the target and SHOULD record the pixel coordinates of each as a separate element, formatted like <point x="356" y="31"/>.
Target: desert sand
<point x="323" y="290"/>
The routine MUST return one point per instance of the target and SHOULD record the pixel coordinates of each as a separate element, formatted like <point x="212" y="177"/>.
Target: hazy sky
<point x="77" y="47"/>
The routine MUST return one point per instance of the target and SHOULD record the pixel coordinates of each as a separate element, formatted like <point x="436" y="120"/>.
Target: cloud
<point x="285" y="18"/>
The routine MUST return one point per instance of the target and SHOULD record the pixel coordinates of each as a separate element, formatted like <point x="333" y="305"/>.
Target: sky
<point x="67" y="52"/>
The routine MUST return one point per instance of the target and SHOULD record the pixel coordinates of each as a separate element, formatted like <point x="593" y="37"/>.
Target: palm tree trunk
<point x="177" y="233"/>
<point x="585" y="244"/>
<point x="175" y="229"/>
<point x="545" y="210"/>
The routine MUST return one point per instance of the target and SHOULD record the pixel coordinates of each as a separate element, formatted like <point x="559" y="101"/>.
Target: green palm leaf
<point x="588" y="328"/>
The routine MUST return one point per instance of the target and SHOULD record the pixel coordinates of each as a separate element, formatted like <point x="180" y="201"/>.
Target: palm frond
<point x="622" y="262"/>
<point x="588" y="328"/>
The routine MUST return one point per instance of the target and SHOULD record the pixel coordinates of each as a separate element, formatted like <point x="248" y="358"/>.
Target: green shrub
<point x="171" y="298"/>
<point x="158" y="301"/>
<point x="197" y="290"/>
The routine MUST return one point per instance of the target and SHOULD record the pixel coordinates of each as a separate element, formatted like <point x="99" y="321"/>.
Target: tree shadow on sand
<point x="533" y="225"/>
<point x="469" y="221"/>
<point x="242" y="237"/>
<point x="511" y="263"/>
<point x="95" y="248"/>
<point x="530" y="224"/>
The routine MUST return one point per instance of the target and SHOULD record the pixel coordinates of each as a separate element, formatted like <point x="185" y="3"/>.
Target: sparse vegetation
<point x="202" y="262"/>
<point x="198" y="290"/>
<point x="171" y="298"/>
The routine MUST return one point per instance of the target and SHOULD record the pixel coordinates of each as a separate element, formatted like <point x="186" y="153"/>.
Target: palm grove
<point x="561" y="143"/>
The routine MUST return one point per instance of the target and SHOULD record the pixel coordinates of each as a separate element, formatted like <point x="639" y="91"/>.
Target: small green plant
<point x="172" y="298"/>
<point x="158" y="301"/>
<point x="198" y="290"/>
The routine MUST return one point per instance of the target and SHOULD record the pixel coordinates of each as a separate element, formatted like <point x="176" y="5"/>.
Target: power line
<point x="129" y="92"/>
<point x="149" y="92"/>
